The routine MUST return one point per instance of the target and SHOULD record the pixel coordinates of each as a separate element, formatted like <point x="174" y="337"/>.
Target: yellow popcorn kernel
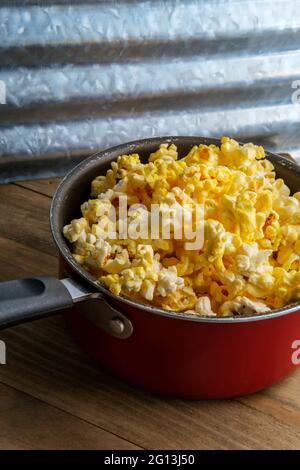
<point x="297" y="196"/>
<point x="165" y="151"/>
<point x="185" y="266"/>
<point x="99" y="185"/>
<point x="79" y="258"/>
<point x="126" y="164"/>
<point x="228" y="146"/>
<point x="264" y="202"/>
<point x="76" y="229"/>
<point x="170" y="261"/>
<point x="118" y="263"/>
<point x="95" y="208"/>
<point x="147" y="289"/>
<point x="243" y="305"/>
<point x="112" y="281"/>
<point x="297" y="248"/>
<point x="177" y="301"/>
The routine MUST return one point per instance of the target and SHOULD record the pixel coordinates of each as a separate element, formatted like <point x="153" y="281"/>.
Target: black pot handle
<point x="25" y="300"/>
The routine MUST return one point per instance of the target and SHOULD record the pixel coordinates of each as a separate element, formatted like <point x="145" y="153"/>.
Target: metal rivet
<point x="117" y="326"/>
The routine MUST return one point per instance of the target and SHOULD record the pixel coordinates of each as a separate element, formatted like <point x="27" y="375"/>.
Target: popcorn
<point x="165" y="152"/>
<point x="243" y="305"/>
<point x="117" y="264"/>
<point x="203" y="307"/>
<point x="76" y="229"/>
<point x="168" y="281"/>
<point x="250" y="260"/>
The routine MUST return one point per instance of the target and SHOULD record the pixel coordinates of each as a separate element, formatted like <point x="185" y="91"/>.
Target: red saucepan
<point x="169" y="353"/>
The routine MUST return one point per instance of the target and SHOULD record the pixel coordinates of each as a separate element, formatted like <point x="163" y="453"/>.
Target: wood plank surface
<point x="47" y="379"/>
<point x="28" y="423"/>
<point x="24" y="218"/>
<point x="46" y="187"/>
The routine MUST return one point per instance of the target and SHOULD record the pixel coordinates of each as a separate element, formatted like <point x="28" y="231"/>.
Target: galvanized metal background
<point x="82" y="76"/>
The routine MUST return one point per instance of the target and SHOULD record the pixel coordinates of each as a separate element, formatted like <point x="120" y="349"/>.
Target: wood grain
<point x="44" y="186"/>
<point x="24" y="218"/>
<point x="51" y="381"/>
<point x="18" y="260"/>
<point x="28" y="423"/>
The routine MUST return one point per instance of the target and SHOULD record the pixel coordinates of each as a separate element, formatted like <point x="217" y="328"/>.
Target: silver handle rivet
<point x="117" y="326"/>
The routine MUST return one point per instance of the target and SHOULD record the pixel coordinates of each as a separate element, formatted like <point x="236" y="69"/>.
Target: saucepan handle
<point x="23" y="300"/>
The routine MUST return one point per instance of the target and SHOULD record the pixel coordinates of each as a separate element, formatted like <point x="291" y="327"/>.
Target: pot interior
<point x="75" y="189"/>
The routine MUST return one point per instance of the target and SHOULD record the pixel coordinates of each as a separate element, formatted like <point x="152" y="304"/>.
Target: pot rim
<point x="131" y="147"/>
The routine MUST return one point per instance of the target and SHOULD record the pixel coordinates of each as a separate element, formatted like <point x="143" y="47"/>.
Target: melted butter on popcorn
<point x="250" y="261"/>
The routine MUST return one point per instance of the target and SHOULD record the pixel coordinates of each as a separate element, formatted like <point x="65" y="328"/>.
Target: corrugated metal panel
<point x="84" y="76"/>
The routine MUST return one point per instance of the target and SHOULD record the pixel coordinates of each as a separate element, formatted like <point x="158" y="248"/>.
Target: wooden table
<point x="54" y="397"/>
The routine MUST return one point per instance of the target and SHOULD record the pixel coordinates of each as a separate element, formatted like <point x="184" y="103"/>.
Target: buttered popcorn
<point x="249" y="262"/>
